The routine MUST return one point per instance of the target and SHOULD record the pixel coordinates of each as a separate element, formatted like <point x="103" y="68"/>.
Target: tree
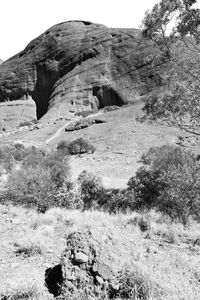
<point x="174" y="27"/>
<point x="170" y="182"/>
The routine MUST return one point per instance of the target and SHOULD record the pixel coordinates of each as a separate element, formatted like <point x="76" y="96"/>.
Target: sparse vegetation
<point x="134" y="285"/>
<point x="169" y="246"/>
<point x="43" y="180"/>
<point x="80" y="146"/>
<point x="139" y="242"/>
<point x="91" y="190"/>
<point x="168" y="182"/>
<point x="173" y="27"/>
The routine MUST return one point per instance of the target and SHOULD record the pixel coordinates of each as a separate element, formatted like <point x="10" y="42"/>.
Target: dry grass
<point x="165" y="253"/>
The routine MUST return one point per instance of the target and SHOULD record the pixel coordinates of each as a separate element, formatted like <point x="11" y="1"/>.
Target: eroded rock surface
<point x="76" y="66"/>
<point x="90" y="265"/>
<point x="12" y="114"/>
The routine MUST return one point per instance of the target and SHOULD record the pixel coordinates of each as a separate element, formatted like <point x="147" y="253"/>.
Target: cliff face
<point x="77" y="66"/>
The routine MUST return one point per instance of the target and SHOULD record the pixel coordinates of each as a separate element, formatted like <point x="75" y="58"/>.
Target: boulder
<point x="76" y="66"/>
<point x="89" y="262"/>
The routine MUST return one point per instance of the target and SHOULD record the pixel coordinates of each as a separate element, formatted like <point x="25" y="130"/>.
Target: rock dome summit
<point x="76" y="66"/>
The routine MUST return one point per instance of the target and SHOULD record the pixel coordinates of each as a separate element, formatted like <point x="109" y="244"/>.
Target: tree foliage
<point x="174" y="27"/>
<point x="170" y="182"/>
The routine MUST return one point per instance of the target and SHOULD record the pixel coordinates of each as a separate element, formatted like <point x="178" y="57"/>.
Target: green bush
<point x="62" y="147"/>
<point x="167" y="155"/>
<point x="170" y="182"/>
<point x="42" y="181"/>
<point x="29" y="186"/>
<point x="119" y="201"/>
<point x="91" y="190"/>
<point x="80" y="146"/>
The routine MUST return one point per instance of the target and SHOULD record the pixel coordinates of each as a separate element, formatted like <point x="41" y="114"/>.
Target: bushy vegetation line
<point x="168" y="181"/>
<point x="42" y="179"/>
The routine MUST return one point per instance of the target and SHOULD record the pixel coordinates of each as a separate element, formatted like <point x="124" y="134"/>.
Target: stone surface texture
<point x="76" y="66"/>
<point x="102" y="259"/>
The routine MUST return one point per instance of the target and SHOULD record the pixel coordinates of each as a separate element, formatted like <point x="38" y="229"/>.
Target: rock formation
<point x="1" y="61"/>
<point x="15" y="112"/>
<point x="89" y="267"/>
<point x="76" y="66"/>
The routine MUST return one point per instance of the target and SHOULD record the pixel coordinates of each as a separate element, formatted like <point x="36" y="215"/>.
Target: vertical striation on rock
<point x="76" y="66"/>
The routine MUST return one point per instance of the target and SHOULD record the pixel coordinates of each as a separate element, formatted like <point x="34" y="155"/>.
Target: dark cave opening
<point x="107" y="96"/>
<point x="46" y="79"/>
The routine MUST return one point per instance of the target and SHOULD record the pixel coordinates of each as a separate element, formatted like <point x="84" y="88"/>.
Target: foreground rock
<point x="93" y="266"/>
<point x="76" y="66"/>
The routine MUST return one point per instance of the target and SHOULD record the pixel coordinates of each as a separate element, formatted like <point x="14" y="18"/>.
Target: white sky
<point x="23" y="20"/>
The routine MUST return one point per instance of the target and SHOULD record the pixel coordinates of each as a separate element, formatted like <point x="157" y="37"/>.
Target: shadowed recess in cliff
<point x="107" y="96"/>
<point x="78" y="66"/>
<point x="46" y="77"/>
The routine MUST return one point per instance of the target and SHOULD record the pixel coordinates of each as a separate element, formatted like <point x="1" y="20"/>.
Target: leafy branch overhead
<point x="174" y="27"/>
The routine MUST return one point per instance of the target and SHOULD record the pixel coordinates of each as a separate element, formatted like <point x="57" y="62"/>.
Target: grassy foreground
<point x="166" y="254"/>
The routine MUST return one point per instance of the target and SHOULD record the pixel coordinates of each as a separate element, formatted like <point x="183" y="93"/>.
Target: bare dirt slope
<point x="119" y="142"/>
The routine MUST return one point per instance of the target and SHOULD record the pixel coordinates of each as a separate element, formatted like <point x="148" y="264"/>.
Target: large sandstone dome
<point x="77" y="66"/>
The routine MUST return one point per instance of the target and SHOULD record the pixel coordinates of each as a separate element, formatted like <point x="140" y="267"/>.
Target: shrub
<point x="170" y="182"/>
<point x="62" y="147"/>
<point x="33" y="157"/>
<point x="180" y="199"/>
<point x="91" y="190"/>
<point x="119" y="201"/>
<point x="147" y="186"/>
<point x="134" y="284"/>
<point x="80" y="146"/>
<point x="42" y="181"/>
<point x="29" y="186"/>
<point x="166" y="156"/>
<point x="28" y="250"/>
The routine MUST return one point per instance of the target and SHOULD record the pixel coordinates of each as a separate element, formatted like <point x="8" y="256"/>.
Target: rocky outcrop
<point x="1" y="61"/>
<point x="76" y="66"/>
<point x="83" y="123"/>
<point x="95" y="265"/>
<point x="12" y="114"/>
<point x="88" y="267"/>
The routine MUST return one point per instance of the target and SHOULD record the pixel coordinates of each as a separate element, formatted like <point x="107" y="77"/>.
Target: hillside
<point x="63" y="238"/>
<point x="76" y="66"/>
<point x="119" y="141"/>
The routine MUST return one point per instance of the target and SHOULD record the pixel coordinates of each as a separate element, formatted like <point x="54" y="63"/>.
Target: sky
<point x="23" y="20"/>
